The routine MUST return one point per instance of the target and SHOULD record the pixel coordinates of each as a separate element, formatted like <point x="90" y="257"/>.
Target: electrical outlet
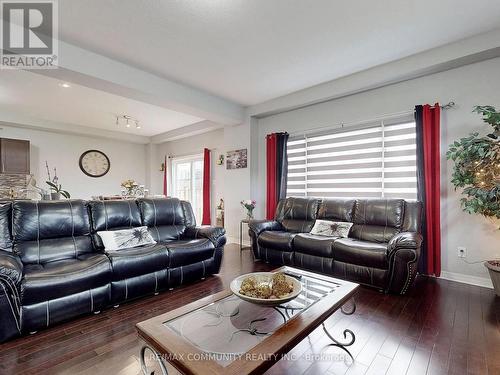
<point x="462" y="252"/>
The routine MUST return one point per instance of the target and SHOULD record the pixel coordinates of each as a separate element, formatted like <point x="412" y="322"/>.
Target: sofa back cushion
<point x="48" y="231"/>
<point x="189" y="218"/>
<point x="377" y="220"/>
<point x="112" y="215"/>
<point x="336" y="209"/>
<point x="297" y="215"/>
<point x="5" y="226"/>
<point x="413" y="216"/>
<point x="164" y="217"/>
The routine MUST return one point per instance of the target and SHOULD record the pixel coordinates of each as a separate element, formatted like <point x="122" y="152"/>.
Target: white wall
<point x="231" y="185"/>
<point x="128" y="160"/>
<point x="237" y="181"/>
<point x="467" y="86"/>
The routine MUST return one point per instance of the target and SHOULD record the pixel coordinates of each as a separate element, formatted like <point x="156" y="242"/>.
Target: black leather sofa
<point x="53" y="265"/>
<point x="382" y="249"/>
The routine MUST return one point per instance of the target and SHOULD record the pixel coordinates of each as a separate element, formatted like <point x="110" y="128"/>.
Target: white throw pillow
<point x="125" y="238"/>
<point x="331" y="228"/>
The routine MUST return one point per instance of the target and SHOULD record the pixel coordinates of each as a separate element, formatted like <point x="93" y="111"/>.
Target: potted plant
<point x="249" y="205"/>
<point x="476" y="171"/>
<point x="54" y="185"/>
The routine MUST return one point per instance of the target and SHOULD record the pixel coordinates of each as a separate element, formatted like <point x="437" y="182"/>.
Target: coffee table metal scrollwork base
<point x="157" y="357"/>
<point x="340" y="344"/>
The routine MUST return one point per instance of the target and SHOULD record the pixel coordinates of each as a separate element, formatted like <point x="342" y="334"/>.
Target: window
<point x="376" y="160"/>
<point x="187" y="182"/>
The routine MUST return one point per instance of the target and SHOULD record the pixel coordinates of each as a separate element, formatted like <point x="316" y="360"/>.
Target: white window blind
<point x="376" y="160"/>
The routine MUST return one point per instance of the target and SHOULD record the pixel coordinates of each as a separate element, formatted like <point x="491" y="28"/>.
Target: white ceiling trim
<point x="186" y="131"/>
<point x="17" y="120"/>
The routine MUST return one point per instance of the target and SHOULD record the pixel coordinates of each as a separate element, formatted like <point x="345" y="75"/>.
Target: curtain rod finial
<point x="449" y="105"/>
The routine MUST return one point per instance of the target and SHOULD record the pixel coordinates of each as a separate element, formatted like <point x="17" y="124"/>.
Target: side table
<point x="243" y="221"/>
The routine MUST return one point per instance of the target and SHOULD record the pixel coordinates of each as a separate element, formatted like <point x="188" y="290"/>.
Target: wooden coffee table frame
<point x="165" y="342"/>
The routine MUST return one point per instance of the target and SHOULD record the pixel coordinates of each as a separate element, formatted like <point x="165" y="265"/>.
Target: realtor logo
<point x="29" y="34"/>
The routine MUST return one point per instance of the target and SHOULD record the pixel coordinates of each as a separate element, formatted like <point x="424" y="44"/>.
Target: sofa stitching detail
<point x="386" y="218"/>
<point x="303" y="223"/>
<point x="73" y="228"/>
<point x="105" y="214"/>
<point x="38" y="231"/>
<point x="12" y="309"/>
<point x="48" y="314"/>
<point x="15" y="292"/>
<point x="129" y="214"/>
<point x="154" y="210"/>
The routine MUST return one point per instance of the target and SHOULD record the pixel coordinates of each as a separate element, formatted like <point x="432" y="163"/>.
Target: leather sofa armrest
<point x="404" y="252"/>
<point x="405" y="240"/>
<point x="259" y="226"/>
<point x="11" y="268"/>
<point x="216" y="235"/>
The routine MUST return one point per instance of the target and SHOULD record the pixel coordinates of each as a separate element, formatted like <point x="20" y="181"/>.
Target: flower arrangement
<point x="249" y="205"/>
<point x="130" y="186"/>
<point x="54" y="185"/>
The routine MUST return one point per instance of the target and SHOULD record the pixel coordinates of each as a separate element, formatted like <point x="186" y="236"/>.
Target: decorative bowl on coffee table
<point x="265" y="277"/>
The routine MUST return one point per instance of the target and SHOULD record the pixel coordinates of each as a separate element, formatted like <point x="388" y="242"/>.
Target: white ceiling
<point x="250" y="51"/>
<point x="42" y="97"/>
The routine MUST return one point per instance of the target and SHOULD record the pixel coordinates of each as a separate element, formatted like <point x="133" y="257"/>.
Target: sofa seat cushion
<point x="136" y="261"/>
<point x="277" y="240"/>
<point x="43" y="282"/>
<point x="184" y="252"/>
<point x="362" y="253"/>
<point x="314" y="244"/>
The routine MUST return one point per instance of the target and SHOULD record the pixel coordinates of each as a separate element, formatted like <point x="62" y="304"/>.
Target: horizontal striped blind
<point x="376" y="160"/>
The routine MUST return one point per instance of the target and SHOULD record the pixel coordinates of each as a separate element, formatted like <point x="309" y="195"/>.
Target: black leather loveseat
<point x="381" y="250"/>
<point x="53" y="265"/>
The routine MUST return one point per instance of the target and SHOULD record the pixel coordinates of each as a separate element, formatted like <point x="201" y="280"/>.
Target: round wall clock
<point x="94" y="163"/>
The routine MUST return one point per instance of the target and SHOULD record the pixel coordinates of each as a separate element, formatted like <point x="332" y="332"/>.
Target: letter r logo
<point x="27" y="28"/>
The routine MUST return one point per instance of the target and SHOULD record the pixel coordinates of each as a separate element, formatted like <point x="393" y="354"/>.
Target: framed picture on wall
<point x="236" y="159"/>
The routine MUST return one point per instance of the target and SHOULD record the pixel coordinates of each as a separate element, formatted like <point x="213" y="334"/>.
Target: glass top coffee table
<point x="222" y="334"/>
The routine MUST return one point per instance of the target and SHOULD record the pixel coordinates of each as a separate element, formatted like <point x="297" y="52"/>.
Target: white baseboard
<point x="452" y="276"/>
<point x="467" y="279"/>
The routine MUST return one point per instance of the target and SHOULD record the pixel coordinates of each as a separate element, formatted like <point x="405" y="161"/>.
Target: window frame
<point x="191" y="159"/>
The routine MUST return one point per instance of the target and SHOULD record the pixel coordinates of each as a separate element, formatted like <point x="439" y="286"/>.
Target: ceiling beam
<point x="92" y="70"/>
<point x="467" y="51"/>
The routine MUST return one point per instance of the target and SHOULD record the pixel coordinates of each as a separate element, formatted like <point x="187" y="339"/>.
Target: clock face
<point x="94" y="163"/>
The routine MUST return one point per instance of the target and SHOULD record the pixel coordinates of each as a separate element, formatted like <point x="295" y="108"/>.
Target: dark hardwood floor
<point x="441" y="327"/>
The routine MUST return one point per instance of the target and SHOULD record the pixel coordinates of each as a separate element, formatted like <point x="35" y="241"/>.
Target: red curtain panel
<point x="428" y="124"/>
<point x="271" y="196"/>
<point x="277" y="168"/>
<point x="165" y="177"/>
<point x="206" y="188"/>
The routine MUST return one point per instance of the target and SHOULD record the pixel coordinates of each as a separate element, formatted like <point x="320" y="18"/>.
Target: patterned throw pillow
<point x="331" y="228"/>
<point x="126" y="238"/>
